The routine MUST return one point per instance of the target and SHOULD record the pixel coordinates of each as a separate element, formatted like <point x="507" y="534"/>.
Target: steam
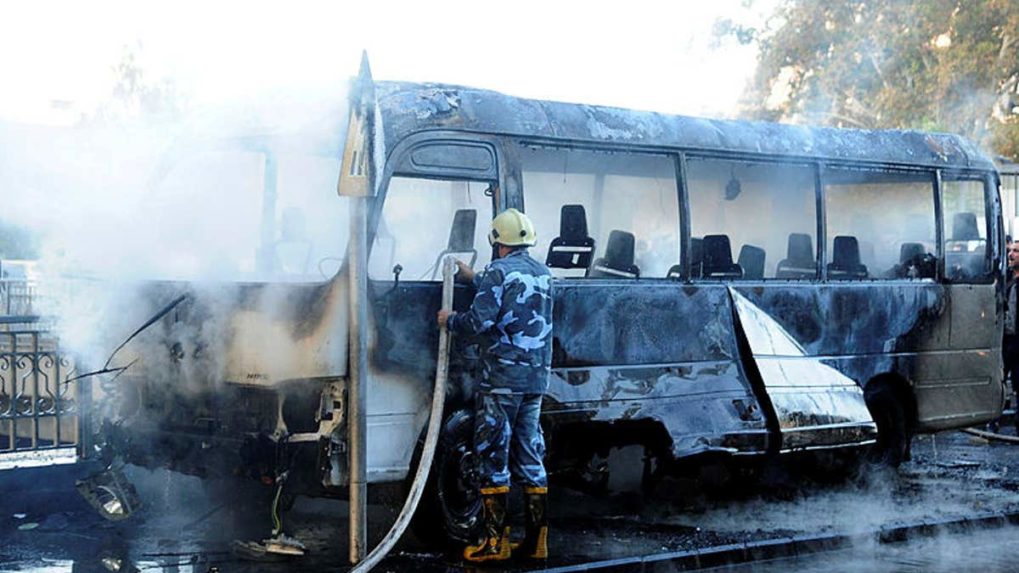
<point x="214" y="198"/>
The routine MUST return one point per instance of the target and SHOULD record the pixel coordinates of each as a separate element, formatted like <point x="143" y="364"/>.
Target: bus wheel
<point x="889" y="414"/>
<point x="450" y="507"/>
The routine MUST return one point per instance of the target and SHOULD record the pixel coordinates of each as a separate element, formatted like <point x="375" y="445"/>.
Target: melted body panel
<point x="815" y="405"/>
<point x="255" y="334"/>
<point x="666" y="353"/>
<point x="866" y="329"/>
<point x="655" y="351"/>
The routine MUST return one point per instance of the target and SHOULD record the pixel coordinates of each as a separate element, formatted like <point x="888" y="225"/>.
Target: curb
<point x="741" y="553"/>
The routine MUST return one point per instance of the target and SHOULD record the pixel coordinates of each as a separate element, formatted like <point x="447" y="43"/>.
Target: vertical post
<point x="356" y="421"/>
<point x="357" y="182"/>
<point x="264" y="260"/>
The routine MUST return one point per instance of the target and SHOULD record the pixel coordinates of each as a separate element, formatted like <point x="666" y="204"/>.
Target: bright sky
<point x="640" y="54"/>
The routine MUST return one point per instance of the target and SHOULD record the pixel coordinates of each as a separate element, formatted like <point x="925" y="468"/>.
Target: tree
<point x="943" y="65"/>
<point x="135" y="96"/>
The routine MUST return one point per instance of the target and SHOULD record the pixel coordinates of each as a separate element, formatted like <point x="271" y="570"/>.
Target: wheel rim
<point x="458" y="491"/>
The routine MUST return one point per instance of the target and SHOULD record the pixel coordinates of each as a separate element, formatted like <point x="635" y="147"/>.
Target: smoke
<point x="201" y="203"/>
<point x="180" y="201"/>
<point x="948" y="479"/>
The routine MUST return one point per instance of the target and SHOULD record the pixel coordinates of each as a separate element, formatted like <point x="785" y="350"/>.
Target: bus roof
<point x="408" y="108"/>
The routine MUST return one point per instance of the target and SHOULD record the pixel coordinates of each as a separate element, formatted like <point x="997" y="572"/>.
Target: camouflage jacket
<point x="512" y="315"/>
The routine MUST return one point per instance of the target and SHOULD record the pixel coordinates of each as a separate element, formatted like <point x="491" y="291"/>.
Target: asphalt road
<point x="189" y="525"/>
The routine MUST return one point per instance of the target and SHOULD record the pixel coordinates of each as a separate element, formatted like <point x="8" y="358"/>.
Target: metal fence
<point x="39" y="408"/>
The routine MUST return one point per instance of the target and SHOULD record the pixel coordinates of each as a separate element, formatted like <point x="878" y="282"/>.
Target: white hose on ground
<point x="431" y="438"/>
<point x="991" y="435"/>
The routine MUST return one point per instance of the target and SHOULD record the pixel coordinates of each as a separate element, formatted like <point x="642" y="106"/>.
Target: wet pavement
<point x="189" y="525"/>
<point x="978" y="551"/>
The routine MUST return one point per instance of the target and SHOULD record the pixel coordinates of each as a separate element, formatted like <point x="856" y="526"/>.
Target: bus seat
<point x="696" y="261"/>
<point x="965" y="252"/>
<point x="964" y="227"/>
<point x="573" y="248"/>
<point x="618" y="259"/>
<point x="799" y="262"/>
<point x="846" y="259"/>
<point x="909" y="252"/>
<point x="718" y="258"/>
<point x="751" y="260"/>
<point x="461" y="238"/>
<point x="914" y="262"/>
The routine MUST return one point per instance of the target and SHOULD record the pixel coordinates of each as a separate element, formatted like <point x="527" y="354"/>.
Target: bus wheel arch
<point x="892" y="405"/>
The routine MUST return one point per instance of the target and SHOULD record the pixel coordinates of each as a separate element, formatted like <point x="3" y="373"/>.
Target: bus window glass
<point x="880" y="224"/>
<point x="751" y="220"/>
<point x="964" y="205"/>
<point x="630" y="204"/>
<point x="423" y="219"/>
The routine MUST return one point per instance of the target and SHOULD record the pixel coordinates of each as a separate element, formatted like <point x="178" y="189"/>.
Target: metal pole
<point x="265" y="260"/>
<point x="357" y="424"/>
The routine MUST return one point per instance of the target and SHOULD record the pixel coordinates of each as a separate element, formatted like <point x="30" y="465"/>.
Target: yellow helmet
<point x="512" y="228"/>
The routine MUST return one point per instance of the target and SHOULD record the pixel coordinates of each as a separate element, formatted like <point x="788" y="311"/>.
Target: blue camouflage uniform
<point x="512" y="315"/>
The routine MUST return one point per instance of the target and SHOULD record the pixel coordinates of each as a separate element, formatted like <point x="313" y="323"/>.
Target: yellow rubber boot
<point x="494" y="543"/>
<point x="535" y="543"/>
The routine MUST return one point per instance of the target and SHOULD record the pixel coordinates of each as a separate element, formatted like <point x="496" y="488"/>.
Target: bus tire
<point x="450" y="508"/>
<point x="889" y="413"/>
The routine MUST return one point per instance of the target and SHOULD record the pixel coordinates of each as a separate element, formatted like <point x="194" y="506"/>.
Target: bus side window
<point x="964" y="205"/>
<point x="880" y="224"/>
<point x="602" y="214"/>
<point x="763" y="210"/>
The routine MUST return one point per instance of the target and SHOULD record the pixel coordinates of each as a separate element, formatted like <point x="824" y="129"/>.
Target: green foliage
<point x="949" y="65"/>
<point x="135" y="96"/>
<point x="1006" y="138"/>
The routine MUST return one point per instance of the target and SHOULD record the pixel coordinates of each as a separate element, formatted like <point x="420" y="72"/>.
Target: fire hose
<point x="991" y="435"/>
<point x="431" y="438"/>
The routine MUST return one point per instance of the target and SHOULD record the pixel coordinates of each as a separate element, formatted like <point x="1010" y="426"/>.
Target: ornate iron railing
<point x="39" y="408"/>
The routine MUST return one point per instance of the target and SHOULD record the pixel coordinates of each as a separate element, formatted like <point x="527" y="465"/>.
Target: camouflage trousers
<point x="508" y="440"/>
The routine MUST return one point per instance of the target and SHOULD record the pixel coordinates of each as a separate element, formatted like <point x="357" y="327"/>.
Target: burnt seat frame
<point x="799" y="262"/>
<point x="618" y="259"/>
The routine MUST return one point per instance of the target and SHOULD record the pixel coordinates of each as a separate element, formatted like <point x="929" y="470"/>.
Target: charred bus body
<point x="723" y="288"/>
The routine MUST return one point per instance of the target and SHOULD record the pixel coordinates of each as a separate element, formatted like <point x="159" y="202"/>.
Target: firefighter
<point x="512" y="314"/>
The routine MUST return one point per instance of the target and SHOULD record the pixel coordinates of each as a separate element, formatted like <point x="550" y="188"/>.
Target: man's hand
<point x="464" y="273"/>
<point x="443" y="316"/>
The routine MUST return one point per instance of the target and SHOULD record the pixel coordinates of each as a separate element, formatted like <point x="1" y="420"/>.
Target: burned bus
<point x="722" y="289"/>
